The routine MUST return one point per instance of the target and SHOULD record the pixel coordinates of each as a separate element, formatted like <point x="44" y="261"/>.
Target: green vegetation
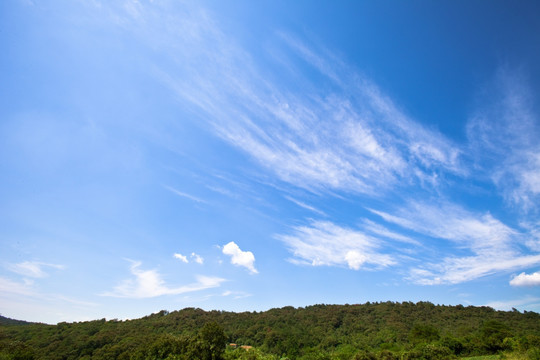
<point x="372" y="331"/>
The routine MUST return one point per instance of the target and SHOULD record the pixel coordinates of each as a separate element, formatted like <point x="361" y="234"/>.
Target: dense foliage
<point x="382" y="331"/>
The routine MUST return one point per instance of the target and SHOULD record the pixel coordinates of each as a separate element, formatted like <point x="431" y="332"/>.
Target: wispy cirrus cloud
<point x="380" y="230"/>
<point x="503" y="134"/>
<point x="343" y="134"/>
<point x="490" y="245"/>
<point x="444" y="220"/>
<point x="349" y="136"/>
<point x="149" y="283"/>
<point x="533" y="230"/>
<point x="184" y="195"/>
<point x="305" y="206"/>
<point x="322" y="138"/>
<point x="33" y="269"/>
<point x="8" y="286"/>
<point x="322" y="243"/>
<point x="27" y="300"/>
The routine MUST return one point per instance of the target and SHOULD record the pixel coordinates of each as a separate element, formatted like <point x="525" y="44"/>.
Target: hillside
<point x="373" y="330"/>
<point x="7" y="321"/>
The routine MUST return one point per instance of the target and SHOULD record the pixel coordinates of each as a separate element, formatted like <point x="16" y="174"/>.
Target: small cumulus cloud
<point x="181" y="257"/>
<point x="197" y="258"/>
<point x="240" y="258"/>
<point x="526" y="279"/>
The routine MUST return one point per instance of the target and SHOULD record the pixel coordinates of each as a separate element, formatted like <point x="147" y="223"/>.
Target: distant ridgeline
<point x="385" y="331"/>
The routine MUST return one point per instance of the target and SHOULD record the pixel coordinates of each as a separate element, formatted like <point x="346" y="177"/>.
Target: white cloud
<point x="503" y="135"/>
<point x="355" y="259"/>
<point x="455" y="270"/>
<point x="526" y="279"/>
<point x="149" y="283"/>
<point x="380" y="230"/>
<point x="236" y="294"/>
<point x="184" y="195"/>
<point x="323" y="243"/>
<point x="33" y="269"/>
<point x="319" y="139"/>
<point x="349" y="136"/>
<point x="452" y="222"/>
<point x="533" y="241"/>
<point x="8" y="286"/>
<point x="181" y="257"/>
<point x="239" y="257"/>
<point x="491" y="246"/>
<point x="197" y="258"/>
<point x="304" y="205"/>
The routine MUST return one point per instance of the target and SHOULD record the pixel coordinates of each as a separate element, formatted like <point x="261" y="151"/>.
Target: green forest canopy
<point x="384" y="330"/>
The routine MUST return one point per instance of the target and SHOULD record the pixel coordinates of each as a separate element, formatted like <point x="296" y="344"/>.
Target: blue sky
<point x="246" y="155"/>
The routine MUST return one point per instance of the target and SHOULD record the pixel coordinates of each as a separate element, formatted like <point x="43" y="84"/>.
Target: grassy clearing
<point x="484" y="357"/>
<point x="503" y="356"/>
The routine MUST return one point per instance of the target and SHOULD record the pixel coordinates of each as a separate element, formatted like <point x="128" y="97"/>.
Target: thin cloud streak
<point x="33" y="269"/>
<point x="184" y="195"/>
<point x="149" y="284"/>
<point x="305" y="206"/>
<point x="380" y="230"/>
<point x="8" y="286"/>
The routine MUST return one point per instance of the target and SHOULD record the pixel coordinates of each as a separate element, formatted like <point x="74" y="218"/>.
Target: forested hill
<point x="7" y="321"/>
<point x="374" y="330"/>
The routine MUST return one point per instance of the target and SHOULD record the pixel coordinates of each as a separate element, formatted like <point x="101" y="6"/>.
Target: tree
<point x="210" y="343"/>
<point x="423" y="333"/>
<point x="493" y="333"/>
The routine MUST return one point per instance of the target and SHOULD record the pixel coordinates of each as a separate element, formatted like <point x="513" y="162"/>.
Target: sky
<point x="245" y="155"/>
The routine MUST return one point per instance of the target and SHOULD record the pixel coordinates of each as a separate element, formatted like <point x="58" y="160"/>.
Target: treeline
<point x="372" y="331"/>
